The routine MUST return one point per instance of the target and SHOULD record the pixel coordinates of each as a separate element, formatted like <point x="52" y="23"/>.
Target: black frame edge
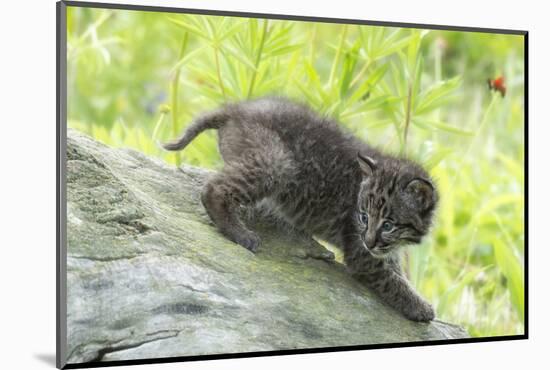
<point x="61" y="204"/>
<point x="526" y="185"/>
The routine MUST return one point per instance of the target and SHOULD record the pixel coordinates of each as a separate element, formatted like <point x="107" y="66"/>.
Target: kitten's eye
<point x="387" y="226"/>
<point x="364" y="217"/>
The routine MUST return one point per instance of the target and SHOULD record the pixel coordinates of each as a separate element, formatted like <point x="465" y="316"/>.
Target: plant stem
<point x="438" y="55"/>
<point x="174" y="97"/>
<point x="312" y="46"/>
<point x="475" y="139"/>
<point x="407" y="117"/>
<point x="361" y="73"/>
<point x="258" y="59"/>
<point x="218" y="70"/>
<point x="437" y="63"/>
<point x="157" y="126"/>
<point x="337" y="56"/>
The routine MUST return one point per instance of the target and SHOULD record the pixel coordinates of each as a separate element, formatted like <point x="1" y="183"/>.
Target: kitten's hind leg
<point x="235" y="187"/>
<point x="256" y="162"/>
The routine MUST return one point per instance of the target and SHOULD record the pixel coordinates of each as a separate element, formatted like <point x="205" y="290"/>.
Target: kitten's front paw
<point x="249" y="241"/>
<point x="423" y="312"/>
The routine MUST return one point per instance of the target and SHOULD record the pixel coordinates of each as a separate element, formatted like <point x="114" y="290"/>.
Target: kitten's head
<point x="395" y="205"/>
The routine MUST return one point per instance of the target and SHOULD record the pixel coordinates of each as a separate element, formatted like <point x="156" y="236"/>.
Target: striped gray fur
<point x="323" y="182"/>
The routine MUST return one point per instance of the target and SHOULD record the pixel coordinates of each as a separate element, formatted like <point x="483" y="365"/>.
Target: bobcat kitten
<point x="323" y="182"/>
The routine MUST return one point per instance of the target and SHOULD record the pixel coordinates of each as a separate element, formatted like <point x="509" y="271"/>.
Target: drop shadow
<point x="47" y="358"/>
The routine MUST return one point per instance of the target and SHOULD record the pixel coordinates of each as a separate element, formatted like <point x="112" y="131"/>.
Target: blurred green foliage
<point x="136" y="78"/>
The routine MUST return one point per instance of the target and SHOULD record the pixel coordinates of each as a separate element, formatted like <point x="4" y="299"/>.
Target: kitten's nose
<point x="370" y="240"/>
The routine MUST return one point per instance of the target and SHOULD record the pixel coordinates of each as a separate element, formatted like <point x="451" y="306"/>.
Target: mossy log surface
<point x="149" y="276"/>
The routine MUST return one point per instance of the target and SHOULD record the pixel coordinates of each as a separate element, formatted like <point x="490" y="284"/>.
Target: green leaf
<point x="496" y="202"/>
<point x="511" y="267"/>
<point x="436" y="158"/>
<point x="243" y="59"/>
<point x="367" y="85"/>
<point x="452" y="293"/>
<point x="437" y="95"/>
<point x="192" y="29"/>
<point x="315" y="80"/>
<point x="209" y="26"/>
<point x="286" y="49"/>
<point x="399" y="79"/>
<point x="412" y="53"/>
<point x="392" y="48"/>
<point x="429" y="125"/>
<point x="189" y="56"/>
<point x="381" y="101"/>
<point x="350" y="61"/>
<point x="417" y="82"/>
<point x="238" y="26"/>
<point x="314" y="100"/>
<point x="515" y="167"/>
<point x="234" y="78"/>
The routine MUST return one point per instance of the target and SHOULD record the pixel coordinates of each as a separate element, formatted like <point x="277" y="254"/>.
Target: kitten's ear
<point x="421" y="193"/>
<point x="367" y="164"/>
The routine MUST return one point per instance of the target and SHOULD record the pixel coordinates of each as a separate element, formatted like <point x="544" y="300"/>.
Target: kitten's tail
<point x="213" y="120"/>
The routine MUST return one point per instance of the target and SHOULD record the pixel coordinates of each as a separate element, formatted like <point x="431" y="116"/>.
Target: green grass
<point x="137" y="78"/>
